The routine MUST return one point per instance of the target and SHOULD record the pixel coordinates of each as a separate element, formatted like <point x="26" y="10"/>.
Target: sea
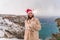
<point x="48" y="27"/>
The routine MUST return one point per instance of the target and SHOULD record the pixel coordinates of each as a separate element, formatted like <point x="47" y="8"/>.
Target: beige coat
<point x="32" y="28"/>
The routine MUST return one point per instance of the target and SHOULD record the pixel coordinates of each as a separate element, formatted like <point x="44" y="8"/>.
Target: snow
<point x="7" y="27"/>
<point x="10" y="39"/>
<point x="1" y="33"/>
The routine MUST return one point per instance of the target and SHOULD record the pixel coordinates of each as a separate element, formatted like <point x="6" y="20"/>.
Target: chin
<point x="30" y="16"/>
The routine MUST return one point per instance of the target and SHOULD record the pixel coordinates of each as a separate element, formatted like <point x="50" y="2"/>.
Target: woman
<point x="32" y="27"/>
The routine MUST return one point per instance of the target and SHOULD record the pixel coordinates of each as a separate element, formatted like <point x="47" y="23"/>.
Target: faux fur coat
<point x="32" y="28"/>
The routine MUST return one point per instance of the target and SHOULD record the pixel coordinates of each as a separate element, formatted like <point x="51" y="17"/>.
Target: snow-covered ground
<point x="10" y="39"/>
<point x="9" y="29"/>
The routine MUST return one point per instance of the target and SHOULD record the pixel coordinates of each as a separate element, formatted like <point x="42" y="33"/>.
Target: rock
<point x="12" y="27"/>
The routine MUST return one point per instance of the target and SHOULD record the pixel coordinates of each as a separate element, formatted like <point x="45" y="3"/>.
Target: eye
<point x="31" y="13"/>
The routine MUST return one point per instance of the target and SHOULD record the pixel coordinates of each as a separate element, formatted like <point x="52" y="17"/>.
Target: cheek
<point x="30" y="14"/>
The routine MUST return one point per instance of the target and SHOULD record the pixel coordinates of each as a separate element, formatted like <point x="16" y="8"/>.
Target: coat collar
<point x="33" y="18"/>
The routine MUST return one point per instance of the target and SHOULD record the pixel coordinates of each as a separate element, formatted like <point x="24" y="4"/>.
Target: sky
<point x="39" y="7"/>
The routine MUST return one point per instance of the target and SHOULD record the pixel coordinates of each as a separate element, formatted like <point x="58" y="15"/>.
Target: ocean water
<point x="49" y="27"/>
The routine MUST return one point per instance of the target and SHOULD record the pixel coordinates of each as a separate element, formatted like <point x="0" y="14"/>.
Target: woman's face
<point x="30" y="14"/>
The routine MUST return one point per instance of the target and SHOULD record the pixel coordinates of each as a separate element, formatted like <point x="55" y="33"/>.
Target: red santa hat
<point x="28" y="10"/>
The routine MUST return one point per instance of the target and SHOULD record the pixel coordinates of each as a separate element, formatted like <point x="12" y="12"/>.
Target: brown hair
<point x="30" y="17"/>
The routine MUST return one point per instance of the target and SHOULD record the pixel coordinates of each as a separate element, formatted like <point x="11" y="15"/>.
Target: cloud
<point x="48" y="7"/>
<point x="18" y="7"/>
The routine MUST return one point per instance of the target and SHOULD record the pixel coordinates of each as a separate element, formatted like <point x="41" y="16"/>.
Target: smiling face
<point x="30" y="14"/>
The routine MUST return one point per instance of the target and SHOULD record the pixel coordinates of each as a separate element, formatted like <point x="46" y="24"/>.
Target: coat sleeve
<point x="37" y="25"/>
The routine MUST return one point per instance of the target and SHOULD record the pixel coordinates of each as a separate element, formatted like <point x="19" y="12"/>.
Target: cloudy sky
<point x="40" y="7"/>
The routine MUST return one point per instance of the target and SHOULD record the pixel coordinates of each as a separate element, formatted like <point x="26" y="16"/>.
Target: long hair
<point x="30" y="17"/>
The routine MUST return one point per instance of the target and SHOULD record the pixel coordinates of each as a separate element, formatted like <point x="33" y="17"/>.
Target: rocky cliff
<point x="12" y="26"/>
